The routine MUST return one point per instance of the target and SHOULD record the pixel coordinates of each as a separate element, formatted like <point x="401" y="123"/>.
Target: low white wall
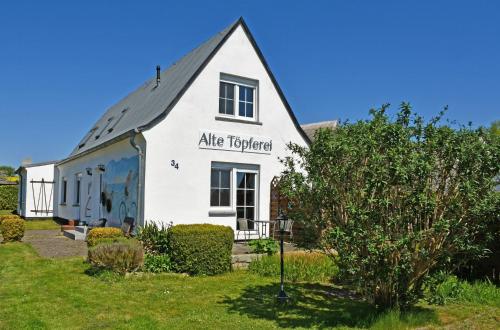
<point x="37" y="197"/>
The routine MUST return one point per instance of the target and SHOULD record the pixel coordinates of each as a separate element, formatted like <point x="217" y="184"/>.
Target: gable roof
<point x="310" y="129"/>
<point x="149" y="104"/>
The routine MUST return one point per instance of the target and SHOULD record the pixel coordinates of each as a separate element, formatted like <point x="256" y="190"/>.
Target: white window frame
<point x="235" y="168"/>
<point x="231" y="188"/>
<point x="237" y="82"/>
<point x="257" y="189"/>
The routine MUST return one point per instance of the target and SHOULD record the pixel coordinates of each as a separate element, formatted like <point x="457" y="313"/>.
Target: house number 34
<point x="174" y="164"/>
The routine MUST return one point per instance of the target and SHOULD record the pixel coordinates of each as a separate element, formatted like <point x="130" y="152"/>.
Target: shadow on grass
<point x="322" y="306"/>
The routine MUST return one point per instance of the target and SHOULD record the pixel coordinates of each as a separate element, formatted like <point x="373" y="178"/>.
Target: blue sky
<point x="63" y="63"/>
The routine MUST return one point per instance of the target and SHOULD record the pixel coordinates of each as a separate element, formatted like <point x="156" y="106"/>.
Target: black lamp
<point x="282" y="220"/>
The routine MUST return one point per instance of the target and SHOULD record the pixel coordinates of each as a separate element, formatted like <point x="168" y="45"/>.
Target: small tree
<point x="395" y="198"/>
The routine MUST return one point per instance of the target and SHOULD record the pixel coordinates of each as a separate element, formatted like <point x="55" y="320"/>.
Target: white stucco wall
<point x="69" y="170"/>
<point x="34" y="197"/>
<point x="183" y="195"/>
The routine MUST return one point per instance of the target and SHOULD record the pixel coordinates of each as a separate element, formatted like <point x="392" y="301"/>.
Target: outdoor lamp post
<point x="282" y="223"/>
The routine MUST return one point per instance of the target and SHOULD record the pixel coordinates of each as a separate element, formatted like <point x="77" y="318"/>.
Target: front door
<point x="246" y="184"/>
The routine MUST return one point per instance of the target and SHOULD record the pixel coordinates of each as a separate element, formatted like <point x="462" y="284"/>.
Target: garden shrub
<point x="12" y="229"/>
<point x="200" y="248"/>
<point x="299" y="267"/>
<point x="265" y="245"/>
<point x="122" y="256"/>
<point x="98" y="233"/>
<point x="157" y="263"/>
<point x="154" y="238"/>
<point x="8" y="216"/>
<point x="396" y="198"/>
<point x="8" y="197"/>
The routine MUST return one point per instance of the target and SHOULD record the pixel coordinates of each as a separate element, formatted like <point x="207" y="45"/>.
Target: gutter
<point x="140" y="193"/>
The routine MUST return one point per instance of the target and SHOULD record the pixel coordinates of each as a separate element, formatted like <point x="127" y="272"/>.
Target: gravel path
<point x="52" y="244"/>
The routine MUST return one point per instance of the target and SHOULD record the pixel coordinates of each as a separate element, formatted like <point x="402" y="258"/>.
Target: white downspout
<point x="140" y="221"/>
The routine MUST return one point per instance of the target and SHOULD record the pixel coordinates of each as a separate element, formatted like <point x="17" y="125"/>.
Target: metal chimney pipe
<point x="158" y="75"/>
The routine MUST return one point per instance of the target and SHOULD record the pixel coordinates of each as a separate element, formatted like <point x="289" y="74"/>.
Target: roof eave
<point x="109" y="142"/>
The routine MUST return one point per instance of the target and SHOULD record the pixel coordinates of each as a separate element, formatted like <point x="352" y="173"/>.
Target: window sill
<point x="237" y="120"/>
<point x="62" y="204"/>
<point x="75" y="205"/>
<point x="221" y="213"/>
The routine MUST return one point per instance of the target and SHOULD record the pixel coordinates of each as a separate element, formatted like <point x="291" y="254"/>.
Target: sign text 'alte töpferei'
<point x="234" y="142"/>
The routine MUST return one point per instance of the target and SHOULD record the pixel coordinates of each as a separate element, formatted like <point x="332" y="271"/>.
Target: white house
<point x="199" y="143"/>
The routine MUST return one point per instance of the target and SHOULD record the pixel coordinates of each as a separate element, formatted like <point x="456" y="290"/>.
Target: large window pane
<point x="240" y="197"/>
<point x="240" y="180"/>
<point x="229" y="107"/>
<point x="220" y="187"/>
<point x="222" y="106"/>
<point x="240" y="213"/>
<point x="250" y="198"/>
<point x="222" y="90"/>
<point x="241" y="110"/>
<point x="225" y="179"/>
<point x="214" y="178"/>
<point x="249" y="110"/>
<point x="214" y="197"/>
<point x="250" y="180"/>
<point x="249" y="95"/>
<point x="225" y="197"/>
<point x="249" y="213"/>
<point x="230" y="91"/>
<point x="226" y="98"/>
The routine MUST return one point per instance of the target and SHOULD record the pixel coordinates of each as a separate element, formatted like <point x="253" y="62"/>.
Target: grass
<point x="453" y="290"/>
<point x="300" y="266"/>
<point x="6" y="212"/>
<point x="62" y="294"/>
<point x="39" y="224"/>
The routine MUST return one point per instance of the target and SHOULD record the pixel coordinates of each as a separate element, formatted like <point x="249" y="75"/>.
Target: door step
<point x="77" y="234"/>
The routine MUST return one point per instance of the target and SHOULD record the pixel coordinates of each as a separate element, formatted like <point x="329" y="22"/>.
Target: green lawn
<point x="5" y="212"/>
<point x="60" y="294"/>
<point x="41" y="224"/>
<point x="36" y="224"/>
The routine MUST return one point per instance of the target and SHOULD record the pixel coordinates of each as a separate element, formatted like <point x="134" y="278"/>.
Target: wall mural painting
<point x="119" y="191"/>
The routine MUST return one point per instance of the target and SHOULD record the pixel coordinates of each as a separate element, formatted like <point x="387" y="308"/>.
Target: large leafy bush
<point x="122" y="256"/>
<point x="396" y="198"/>
<point x="12" y="229"/>
<point x="8" y="197"/>
<point x="201" y="248"/>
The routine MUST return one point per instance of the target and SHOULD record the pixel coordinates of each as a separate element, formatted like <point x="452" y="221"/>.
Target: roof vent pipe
<point x="157" y="75"/>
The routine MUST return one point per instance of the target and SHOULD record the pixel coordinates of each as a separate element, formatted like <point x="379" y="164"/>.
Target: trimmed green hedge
<point x="12" y="229"/>
<point x="8" y="197"/>
<point x="201" y="249"/>
<point x="96" y="235"/>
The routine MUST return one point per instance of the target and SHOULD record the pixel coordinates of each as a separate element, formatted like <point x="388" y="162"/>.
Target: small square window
<point x="237" y="97"/>
<point x="220" y="187"/>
